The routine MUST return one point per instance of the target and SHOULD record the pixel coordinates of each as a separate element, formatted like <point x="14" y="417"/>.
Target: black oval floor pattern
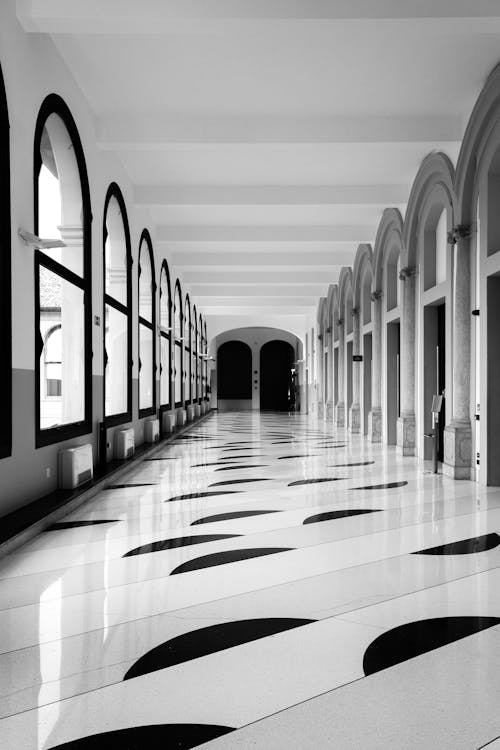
<point x="385" y="486"/>
<point x="233" y="515"/>
<point x="181" y="541"/>
<point x="194" y="495"/>
<point x="229" y="556"/>
<point x="315" y="481"/>
<point x="333" y="515"/>
<point x="78" y="524"/>
<point x="210" y="640"/>
<point x="240" y="481"/>
<point x="417" y="638"/>
<point x="464" y="546"/>
<point x="235" y="467"/>
<point x="154" y="737"/>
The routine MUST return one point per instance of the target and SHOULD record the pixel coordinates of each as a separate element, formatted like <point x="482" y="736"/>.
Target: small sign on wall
<point x="357" y="357"/>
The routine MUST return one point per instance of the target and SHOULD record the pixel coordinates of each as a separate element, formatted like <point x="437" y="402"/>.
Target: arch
<point x="188" y="336"/>
<point x="5" y="277"/>
<point x="178" y="345"/>
<point x="63" y="277"/>
<point x="346" y="299"/>
<point x="362" y="281"/>
<point x="117" y="343"/>
<point x="234" y="372"/>
<point x="276" y="379"/>
<point x="482" y="129"/>
<point x="431" y="192"/>
<point x="165" y="337"/>
<point x="389" y="238"/>
<point x="146" y="283"/>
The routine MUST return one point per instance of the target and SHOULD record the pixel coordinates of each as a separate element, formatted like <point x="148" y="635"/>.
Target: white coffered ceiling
<point x="267" y="136"/>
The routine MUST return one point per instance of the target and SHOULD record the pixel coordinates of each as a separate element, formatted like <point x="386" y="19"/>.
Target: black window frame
<point x="114" y="191"/>
<point x="180" y="344"/>
<point x="5" y="278"/>
<point x="166" y="335"/>
<point x="188" y="397"/>
<point x="54" y="104"/>
<point x="151" y="325"/>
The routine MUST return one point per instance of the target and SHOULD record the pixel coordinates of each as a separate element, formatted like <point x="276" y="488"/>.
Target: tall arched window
<point x="147" y="326"/>
<point x="187" y="351"/>
<point x="117" y="310"/>
<point x="200" y="359"/>
<point x="178" y="360"/>
<point x="165" y="337"/>
<point x="205" y="362"/>
<point x="194" y="355"/>
<point x="5" y="280"/>
<point x="62" y="273"/>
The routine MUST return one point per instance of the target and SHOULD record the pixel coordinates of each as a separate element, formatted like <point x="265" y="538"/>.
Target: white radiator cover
<point x="75" y="466"/>
<point x="124" y="443"/>
<point x="152" y="430"/>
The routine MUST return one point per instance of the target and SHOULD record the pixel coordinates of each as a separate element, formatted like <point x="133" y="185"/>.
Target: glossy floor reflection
<point x="344" y="598"/>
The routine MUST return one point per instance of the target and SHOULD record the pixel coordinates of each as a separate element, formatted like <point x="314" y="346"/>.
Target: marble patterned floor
<point x="263" y="582"/>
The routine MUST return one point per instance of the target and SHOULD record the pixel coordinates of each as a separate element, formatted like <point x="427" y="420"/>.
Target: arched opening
<point x="147" y="325"/>
<point x="187" y="336"/>
<point x="62" y="274"/>
<point x="117" y="304"/>
<point x="492" y="208"/>
<point x="178" y="332"/>
<point x="234" y="376"/>
<point x="348" y="315"/>
<point x="5" y="279"/>
<point x="276" y="377"/>
<point x="165" y="338"/>
<point x="366" y="317"/>
<point x="393" y="345"/>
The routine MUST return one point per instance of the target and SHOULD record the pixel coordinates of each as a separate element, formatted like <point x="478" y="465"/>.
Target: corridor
<point x="264" y="580"/>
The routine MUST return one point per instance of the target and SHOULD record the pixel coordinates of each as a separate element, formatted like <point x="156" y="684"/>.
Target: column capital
<point x="376" y="296"/>
<point x="408" y="272"/>
<point x="460" y="232"/>
<point x="355" y="312"/>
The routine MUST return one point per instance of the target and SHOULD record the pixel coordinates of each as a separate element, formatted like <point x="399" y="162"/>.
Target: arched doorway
<point x="234" y="376"/>
<point x="276" y="388"/>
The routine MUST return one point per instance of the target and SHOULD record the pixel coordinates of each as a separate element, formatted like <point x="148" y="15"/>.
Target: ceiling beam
<point x="200" y="291"/>
<point x="236" y="233"/>
<point x="199" y="16"/>
<point x="170" y="132"/>
<point x="271" y="195"/>
<point x="264" y="277"/>
<point x="231" y="260"/>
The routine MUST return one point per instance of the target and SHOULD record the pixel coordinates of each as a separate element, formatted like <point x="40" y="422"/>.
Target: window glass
<point x="62" y="363"/>
<point x="146" y="400"/>
<point x="116" y="342"/>
<point x="115" y="252"/>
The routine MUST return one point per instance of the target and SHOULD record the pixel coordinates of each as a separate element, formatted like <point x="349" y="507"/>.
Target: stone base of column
<point x="355" y="419"/>
<point x="320" y="409"/>
<point x="405" y="440"/>
<point x="458" y="450"/>
<point x="375" y="426"/>
<point x="330" y="411"/>
<point x="340" y="414"/>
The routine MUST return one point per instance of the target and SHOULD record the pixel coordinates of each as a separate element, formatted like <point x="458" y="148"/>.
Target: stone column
<point x="340" y="406"/>
<point x="330" y="406"/>
<point x="406" y="420"/>
<point x="375" y="415"/>
<point x="355" y="410"/>
<point x="320" y="365"/>
<point x="458" y="433"/>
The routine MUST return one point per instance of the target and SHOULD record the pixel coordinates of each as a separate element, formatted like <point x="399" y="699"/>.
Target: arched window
<point x="200" y="359"/>
<point x="5" y="280"/>
<point x="147" y="325"/>
<point x="178" y="361"/>
<point x="165" y="337"/>
<point x="117" y="310"/>
<point x="194" y="356"/>
<point x="62" y="274"/>
<point x="53" y="362"/>
<point x="205" y="361"/>
<point x="187" y="351"/>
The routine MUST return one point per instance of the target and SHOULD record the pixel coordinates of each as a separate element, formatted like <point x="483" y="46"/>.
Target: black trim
<point x="5" y="279"/>
<point x="188" y="397"/>
<point x="115" y="192"/>
<point x="180" y="344"/>
<point x="54" y="104"/>
<point x="164" y="268"/>
<point x="150" y="324"/>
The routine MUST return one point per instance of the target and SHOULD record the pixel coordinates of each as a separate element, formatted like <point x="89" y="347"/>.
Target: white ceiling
<point x="267" y="136"/>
